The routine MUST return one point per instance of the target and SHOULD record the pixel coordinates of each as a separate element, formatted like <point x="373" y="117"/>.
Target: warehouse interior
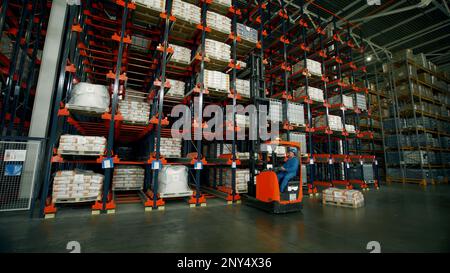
<point x="161" y="125"/>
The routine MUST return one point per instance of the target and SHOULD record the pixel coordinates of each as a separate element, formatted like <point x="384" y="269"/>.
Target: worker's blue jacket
<point x="291" y="165"/>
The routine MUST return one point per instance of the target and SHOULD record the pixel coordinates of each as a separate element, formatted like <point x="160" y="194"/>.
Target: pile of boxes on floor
<point x="340" y="197"/>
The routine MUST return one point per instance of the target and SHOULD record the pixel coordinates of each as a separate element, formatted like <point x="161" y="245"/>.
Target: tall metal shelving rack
<point x="419" y="162"/>
<point x="24" y="23"/>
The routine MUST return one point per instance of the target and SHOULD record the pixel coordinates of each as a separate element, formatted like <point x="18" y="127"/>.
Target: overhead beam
<point x="401" y="23"/>
<point x="418" y="34"/>
<point x="430" y="41"/>
<point x="441" y="8"/>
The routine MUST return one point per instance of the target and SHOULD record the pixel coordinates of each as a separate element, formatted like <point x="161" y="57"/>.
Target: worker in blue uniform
<point x="289" y="169"/>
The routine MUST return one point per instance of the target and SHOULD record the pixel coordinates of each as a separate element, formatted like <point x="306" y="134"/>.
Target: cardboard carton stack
<point x="242" y="177"/>
<point x="335" y="122"/>
<point x="218" y="22"/>
<point x="82" y="145"/>
<point x="314" y="67"/>
<point x="176" y="88"/>
<point x="243" y="87"/>
<point x="180" y="54"/>
<point x="217" y="50"/>
<point x="347" y="101"/>
<point x="171" y="147"/>
<point x="315" y="94"/>
<point x="347" y="197"/>
<point x="247" y="33"/>
<point x="77" y="186"/>
<point x="128" y="178"/>
<point x="135" y="111"/>
<point x="217" y="80"/>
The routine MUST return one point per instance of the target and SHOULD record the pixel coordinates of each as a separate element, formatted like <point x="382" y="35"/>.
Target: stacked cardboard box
<point x="350" y="128"/>
<point x="296" y="113"/>
<point x="359" y="101"/>
<point x="83" y="145"/>
<point x="218" y="22"/>
<point x="77" y="186"/>
<point x="217" y="80"/>
<point x="315" y="94"/>
<point x="335" y="122"/>
<point x="176" y="88"/>
<point x="247" y="33"/>
<point x="242" y="178"/>
<point x="171" y="147"/>
<point x="187" y="12"/>
<point x="128" y="178"/>
<point x="180" y="54"/>
<point x="347" y="101"/>
<point x="135" y="111"/>
<point x="350" y="197"/>
<point x="243" y="87"/>
<point x="275" y="111"/>
<point x="314" y="67"/>
<point x="217" y="50"/>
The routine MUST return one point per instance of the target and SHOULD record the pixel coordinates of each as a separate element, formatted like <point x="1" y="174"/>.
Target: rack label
<point x="233" y="165"/>
<point x="156" y="165"/>
<point x="376" y="162"/>
<point x="348" y="165"/>
<point x="311" y="161"/>
<point x="198" y="165"/>
<point x="107" y="163"/>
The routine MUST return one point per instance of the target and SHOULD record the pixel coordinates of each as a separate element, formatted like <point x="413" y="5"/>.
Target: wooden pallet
<point x="423" y="182"/>
<point x="88" y="111"/>
<point x="74" y="200"/>
<point x="81" y="153"/>
<point x="341" y="204"/>
<point x="135" y="123"/>
<point x="178" y="194"/>
<point x="127" y="188"/>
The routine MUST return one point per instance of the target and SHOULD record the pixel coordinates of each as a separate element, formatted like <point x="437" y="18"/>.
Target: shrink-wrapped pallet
<point x="170" y="147"/>
<point x="217" y="50"/>
<point x="216" y="80"/>
<point x="173" y="182"/>
<point x="89" y="97"/>
<point x="314" y="67"/>
<point x="296" y="113"/>
<point x="247" y="33"/>
<point x="243" y="87"/>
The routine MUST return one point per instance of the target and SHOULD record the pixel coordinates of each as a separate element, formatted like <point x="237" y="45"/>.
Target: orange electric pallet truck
<point x="268" y="196"/>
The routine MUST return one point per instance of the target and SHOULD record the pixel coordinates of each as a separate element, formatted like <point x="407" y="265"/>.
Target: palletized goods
<point x="315" y="94"/>
<point x="217" y="80"/>
<point x="335" y="122"/>
<point x="180" y="54"/>
<point x="313" y="67"/>
<point x="173" y="182"/>
<point x="89" y="97"/>
<point x="347" y="101"/>
<point x="296" y="113"/>
<point x="176" y="88"/>
<point x="350" y="198"/>
<point x="217" y="50"/>
<point x="359" y="101"/>
<point x="247" y="33"/>
<point x="218" y="22"/>
<point x="76" y="186"/>
<point x="128" y="178"/>
<point x="243" y="87"/>
<point x="81" y="145"/>
<point x="170" y="147"/>
<point x="135" y="111"/>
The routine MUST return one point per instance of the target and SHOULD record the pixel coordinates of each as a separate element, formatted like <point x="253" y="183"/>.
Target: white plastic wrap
<point x="89" y="96"/>
<point x="173" y="181"/>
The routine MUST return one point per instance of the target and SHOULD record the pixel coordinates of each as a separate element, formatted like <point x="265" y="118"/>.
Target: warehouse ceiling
<point x="425" y="30"/>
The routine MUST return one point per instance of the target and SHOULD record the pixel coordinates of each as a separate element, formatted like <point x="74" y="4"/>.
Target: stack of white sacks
<point x="176" y="88"/>
<point x="135" y="111"/>
<point x="186" y="11"/>
<point x="315" y="94"/>
<point x="247" y="33"/>
<point x="170" y="147"/>
<point x="180" y="54"/>
<point x="275" y="111"/>
<point x="83" y="145"/>
<point x="128" y="178"/>
<point x="359" y="101"/>
<point x="347" y="101"/>
<point x="350" y="128"/>
<point x="351" y="197"/>
<point x="335" y="122"/>
<point x="217" y="80"/>
<point x="77" y="186"/>
<point x="314" y="67"/>
<point x="218" y="22"/>
<point x="296" y="113"/>
<point x="217" y="50"/>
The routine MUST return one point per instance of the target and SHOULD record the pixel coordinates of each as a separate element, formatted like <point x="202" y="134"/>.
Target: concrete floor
<point x="402" y="218"/>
